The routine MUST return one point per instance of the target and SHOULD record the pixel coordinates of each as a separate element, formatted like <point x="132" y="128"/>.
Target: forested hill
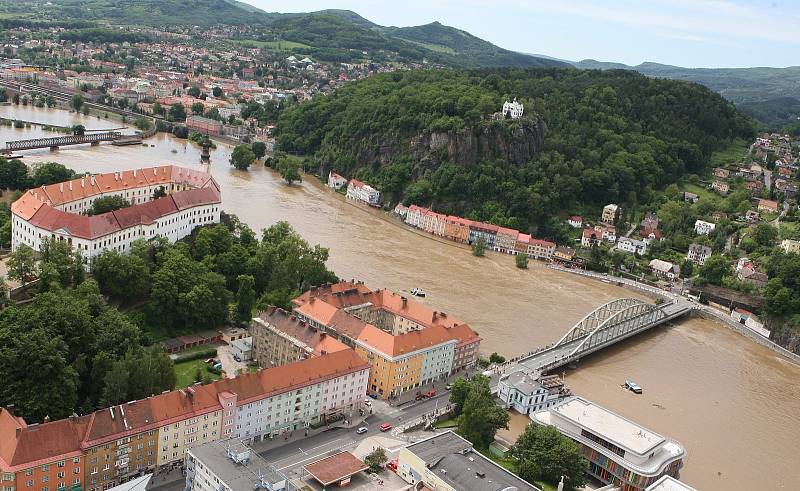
<point x="611" y="136"/>
<point x="328" y="35"/>
<point x="769" y="94"/>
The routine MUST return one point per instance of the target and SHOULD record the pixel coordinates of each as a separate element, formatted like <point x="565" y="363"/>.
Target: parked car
<point x="362" y="430"/>
<point x="367" y="402"/>
<point x="386" y="427"/>
<point x="236" y="357"/>
<point x="448" y="386"/>
<point x="430" y="393"/>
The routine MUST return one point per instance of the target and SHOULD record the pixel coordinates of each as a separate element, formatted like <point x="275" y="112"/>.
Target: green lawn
<point x="185" y="373"/>
<point x="447" y="423"/>
<point x="433" y="47"/>
<point x="700" y="191"/>
<point x="790" y="230"/>
<point x="732" y="154"/>
<point x="274" y="45"/>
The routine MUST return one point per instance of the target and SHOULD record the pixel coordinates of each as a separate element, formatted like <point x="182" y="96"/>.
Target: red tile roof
<point x="37" y="206"/>
<point x="40" y="443"/>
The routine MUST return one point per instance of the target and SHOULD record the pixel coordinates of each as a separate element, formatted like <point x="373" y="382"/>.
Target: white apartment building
<point x="192" y="199"/>
<point x="698" y="254"/>
<point x="359" y="191"/>
<point x="632" y="246"/>
<point x="703" y="228"/>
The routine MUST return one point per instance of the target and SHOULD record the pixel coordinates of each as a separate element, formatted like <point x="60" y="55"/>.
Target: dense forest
<point x="613" y="136"/>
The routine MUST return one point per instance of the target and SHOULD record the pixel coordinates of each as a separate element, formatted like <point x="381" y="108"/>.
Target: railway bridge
<point x="60" y="141"/>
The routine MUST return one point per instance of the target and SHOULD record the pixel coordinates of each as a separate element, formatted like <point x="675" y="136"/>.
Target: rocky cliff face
<point x="515" y="141"/>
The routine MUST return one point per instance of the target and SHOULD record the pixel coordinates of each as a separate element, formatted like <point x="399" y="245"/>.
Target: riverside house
<point x="506" y="240"/>
<point x="485" y="231"/>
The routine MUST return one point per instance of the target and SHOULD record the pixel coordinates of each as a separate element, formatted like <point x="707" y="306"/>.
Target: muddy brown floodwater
<point x="733" y="404"/>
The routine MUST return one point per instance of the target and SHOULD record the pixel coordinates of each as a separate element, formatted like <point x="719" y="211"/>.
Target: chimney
<point x="46" y="419"/>
<point x="134" y="172"/>
<point x="92" y="180"/>
<point x="10" y="409"/>
<point x="61" y="187"/>
<point x="70" y="185"/>
<point x="83" y="182"/>
<point x="405" y="301"/>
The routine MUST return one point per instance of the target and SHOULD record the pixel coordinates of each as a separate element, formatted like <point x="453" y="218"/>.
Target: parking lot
<point x="229" y="365"/>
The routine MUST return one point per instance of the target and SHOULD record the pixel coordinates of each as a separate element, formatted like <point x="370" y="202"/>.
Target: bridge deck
<point x="616" y="323"/>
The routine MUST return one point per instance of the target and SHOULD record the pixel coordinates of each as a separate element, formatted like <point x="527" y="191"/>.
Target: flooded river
<point x="734" y="404"/>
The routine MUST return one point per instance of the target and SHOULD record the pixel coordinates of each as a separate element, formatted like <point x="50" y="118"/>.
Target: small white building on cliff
<point x="513" y="110"/>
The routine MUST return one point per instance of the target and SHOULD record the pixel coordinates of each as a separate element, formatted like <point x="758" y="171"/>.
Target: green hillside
<point x="612" y="136"/>
<point x="456" y="47"/>
<point x="144" y="12"/>
<point x="333" y="35"/>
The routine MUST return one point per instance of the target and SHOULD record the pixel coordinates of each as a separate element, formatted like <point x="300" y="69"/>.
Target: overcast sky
<point x="693" y="33"/>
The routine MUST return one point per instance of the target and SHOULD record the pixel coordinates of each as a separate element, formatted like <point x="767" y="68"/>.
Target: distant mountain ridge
<point x="770" y="95"/>
<point x="331" y="33"/>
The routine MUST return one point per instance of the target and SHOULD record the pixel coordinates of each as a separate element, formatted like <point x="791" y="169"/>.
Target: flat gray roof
<point x="443" y="455"/>
<point x="238" y="476"/>
<point x="608" y="425"/>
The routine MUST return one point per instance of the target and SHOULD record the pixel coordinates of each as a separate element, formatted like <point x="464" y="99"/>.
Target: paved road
<point x="290" y="458"/>
<point x="296" y="454"/>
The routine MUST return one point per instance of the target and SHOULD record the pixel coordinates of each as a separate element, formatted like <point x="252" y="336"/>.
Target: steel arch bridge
<point x="604" y="326"/>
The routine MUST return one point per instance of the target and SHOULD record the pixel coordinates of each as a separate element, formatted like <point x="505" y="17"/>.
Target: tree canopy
<point x="542" y="453"/>
<point x="479" y="417"/>
<point x="242" y="157"/>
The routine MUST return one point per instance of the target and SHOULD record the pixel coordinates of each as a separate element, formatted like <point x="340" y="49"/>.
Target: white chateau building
<point x="57" y="211"/>
<point x="513" y="109"/>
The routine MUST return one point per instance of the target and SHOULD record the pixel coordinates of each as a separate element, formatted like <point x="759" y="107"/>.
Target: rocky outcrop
<point x="515" y="141"/>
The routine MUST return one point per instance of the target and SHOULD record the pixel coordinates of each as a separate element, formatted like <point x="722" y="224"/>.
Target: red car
<point x="386" y="427"/>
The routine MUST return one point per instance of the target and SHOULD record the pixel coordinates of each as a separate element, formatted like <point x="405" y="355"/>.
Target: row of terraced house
<point x="457" y="229"/>
<point x="102" y="449"/>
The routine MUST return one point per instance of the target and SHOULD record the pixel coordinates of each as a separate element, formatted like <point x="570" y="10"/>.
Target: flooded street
<point x="734" y="404"/>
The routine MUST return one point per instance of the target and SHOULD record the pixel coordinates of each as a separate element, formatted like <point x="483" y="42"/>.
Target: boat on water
<point x="633" y="387"/>
<point x="417" y="292"/>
